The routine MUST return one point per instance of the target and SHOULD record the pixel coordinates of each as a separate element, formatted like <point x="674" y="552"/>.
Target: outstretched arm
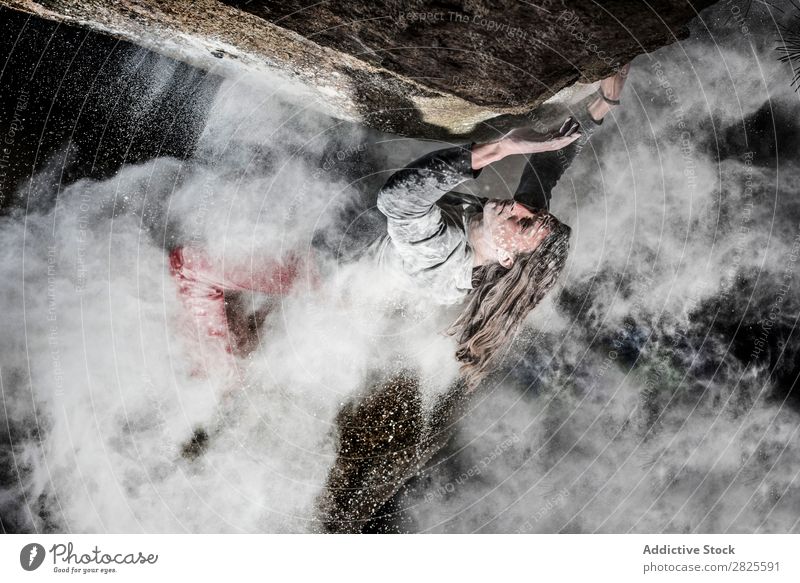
<point x="408" y="199"/>
<point x="413" y="191"/>
<point x="523" y="141"/>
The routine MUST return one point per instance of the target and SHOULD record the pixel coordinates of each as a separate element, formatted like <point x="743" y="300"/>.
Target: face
<point x="514" y="229"/>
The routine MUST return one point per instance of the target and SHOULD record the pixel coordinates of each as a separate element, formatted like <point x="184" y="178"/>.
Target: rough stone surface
<point x="384" y="438"/>
<point x="432" y="69"/>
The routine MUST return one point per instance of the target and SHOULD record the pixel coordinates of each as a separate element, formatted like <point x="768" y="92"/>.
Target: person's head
<point x="532" y="250"/>
<point x="513" y="229"/>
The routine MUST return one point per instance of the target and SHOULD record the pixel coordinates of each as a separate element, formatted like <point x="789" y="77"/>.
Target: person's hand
<point x="524" y="141"/>
<point x="528" y="141"/>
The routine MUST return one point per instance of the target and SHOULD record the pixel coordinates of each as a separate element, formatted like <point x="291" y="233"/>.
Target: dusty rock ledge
<point x="421" y="69"/>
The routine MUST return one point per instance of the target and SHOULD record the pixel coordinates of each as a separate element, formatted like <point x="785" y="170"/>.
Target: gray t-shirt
<point x="427" y="225"/>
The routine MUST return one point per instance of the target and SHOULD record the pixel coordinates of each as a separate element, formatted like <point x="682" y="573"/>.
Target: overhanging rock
<point x="420" y="68"/>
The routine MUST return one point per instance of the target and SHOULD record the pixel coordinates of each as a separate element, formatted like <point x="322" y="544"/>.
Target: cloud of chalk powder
<point x="91" y="336"/>
<point x="94" y="363"/>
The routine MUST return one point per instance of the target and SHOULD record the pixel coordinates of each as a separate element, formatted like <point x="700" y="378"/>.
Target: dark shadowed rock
<point x="422" y="69"/>
<point x="384" y="439"/>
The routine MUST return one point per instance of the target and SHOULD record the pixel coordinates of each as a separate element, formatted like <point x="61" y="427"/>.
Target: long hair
<point x="502" y="297"/>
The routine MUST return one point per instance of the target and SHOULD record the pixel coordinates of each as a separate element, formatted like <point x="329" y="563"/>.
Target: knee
<point x="187" y="261"/>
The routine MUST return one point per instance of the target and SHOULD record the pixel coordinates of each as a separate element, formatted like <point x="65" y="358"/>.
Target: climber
<point x="499" y="257"/>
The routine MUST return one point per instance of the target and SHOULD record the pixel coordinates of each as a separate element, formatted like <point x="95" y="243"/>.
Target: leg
<point x="543" y="170"/>
<point x="256" y="274"/>
<point x="202" y="285"/>
<point x="205" y="325"/>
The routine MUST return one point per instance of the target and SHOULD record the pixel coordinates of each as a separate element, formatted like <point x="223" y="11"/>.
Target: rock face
<point x="422" y="69"/>
<point x="63" y="86"/>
